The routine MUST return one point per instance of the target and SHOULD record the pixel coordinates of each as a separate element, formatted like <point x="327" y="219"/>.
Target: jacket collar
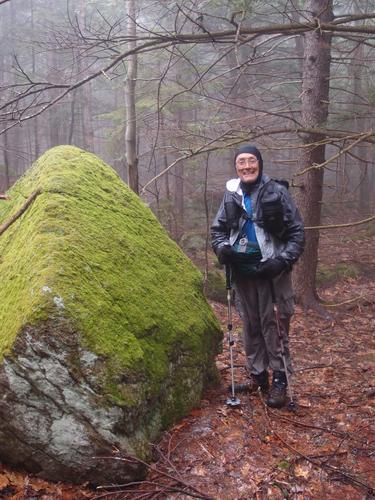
<point x="233" y="185"/>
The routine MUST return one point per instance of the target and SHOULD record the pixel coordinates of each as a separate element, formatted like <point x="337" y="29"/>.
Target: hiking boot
<point x="255" y="382"/>
<point x="261" y="381"/>
<point x="277" y="395"/>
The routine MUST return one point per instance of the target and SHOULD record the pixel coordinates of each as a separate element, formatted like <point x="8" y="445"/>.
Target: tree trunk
<point x="315" y="96"/>
<point x="164" y="157"/>
<point x="179" y="201"/>
<point x="360" y="123"/>
<point x="87" y="118"/>
<point x="35" y="124"/>
<point x="131" y="118"/>
<point x="72" y="118"/>
<point x="54" y="118"/>
<point x="179" y="190"/>
<point x="6" y="162"/>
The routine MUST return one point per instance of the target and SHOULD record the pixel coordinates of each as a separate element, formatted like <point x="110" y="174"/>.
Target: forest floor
<point x="324" y="450"/>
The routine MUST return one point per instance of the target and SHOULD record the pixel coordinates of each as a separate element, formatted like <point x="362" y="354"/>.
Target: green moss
<point x="88" y="251"/>
<point x="284" y="465"/>
<point x="330" y="274"/>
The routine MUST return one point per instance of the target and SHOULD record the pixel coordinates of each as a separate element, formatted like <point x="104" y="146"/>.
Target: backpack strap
<point x="283" y="182"/>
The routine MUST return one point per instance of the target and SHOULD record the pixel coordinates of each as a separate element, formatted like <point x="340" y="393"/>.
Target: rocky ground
<point x="326" y="449"/>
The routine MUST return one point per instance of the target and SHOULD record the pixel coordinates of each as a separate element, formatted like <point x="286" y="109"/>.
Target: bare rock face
<point x="105" y="336"/>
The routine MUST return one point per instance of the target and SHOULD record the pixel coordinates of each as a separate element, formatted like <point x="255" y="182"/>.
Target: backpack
<point x="271" y="207"/>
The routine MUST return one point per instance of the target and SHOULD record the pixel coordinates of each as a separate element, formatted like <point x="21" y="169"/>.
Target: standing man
<point x="258" y="231"/>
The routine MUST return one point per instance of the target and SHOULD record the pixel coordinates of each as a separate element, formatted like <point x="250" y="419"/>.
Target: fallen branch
<point x="22" y="210"/>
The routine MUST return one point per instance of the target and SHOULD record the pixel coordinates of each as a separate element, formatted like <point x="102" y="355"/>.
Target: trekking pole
<point x="232" y="400"/>
<point x="291" y="405"/>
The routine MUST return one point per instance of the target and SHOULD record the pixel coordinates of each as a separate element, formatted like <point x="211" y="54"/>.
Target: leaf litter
<point x="325" y="449"/>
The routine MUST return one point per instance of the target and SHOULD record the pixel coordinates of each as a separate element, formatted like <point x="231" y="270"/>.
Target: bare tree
<point x="235" y="76"/>
<point x="130" y="85"/>
<point x="315" y="100"/>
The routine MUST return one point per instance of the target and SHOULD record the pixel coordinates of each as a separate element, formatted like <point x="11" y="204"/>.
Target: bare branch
<point x="361" y="138"/>
<point x="19" y="212"/>
<point x="339" y="226"/>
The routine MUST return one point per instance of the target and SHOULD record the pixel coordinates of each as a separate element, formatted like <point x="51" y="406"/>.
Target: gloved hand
<point x="225" y="254"/>
<point x="271" y="268"/>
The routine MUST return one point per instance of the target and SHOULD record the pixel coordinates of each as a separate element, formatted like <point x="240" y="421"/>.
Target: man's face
<point x="247" y="166"/>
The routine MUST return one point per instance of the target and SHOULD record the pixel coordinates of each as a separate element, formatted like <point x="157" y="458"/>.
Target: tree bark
<point x="164" y="161"/>
<point x="54" y="118"/>
<point x="87" y="118"/>
<point x="4" y="182"/>
<point x="131" y="118"/>
<point x="85" y="98"/>
<point x="179" y="191"/>
<point x="35" y="125"/>
<point x="179" y="201"/>
<point x="6" y="161"/>
<point x="72" y="118"/>
<point x="315" y="98"/>
<point x="360" y="123"/>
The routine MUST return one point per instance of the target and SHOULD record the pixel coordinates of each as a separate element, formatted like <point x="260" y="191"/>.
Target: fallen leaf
<point x="199" y="471"/>
<point x="302" y="471"/>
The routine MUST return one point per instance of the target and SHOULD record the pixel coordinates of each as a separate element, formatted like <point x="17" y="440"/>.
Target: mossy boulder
<point x="105" y="336"/>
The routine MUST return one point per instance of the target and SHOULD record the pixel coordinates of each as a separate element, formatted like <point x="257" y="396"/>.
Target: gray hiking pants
<point x="260" y="336"/>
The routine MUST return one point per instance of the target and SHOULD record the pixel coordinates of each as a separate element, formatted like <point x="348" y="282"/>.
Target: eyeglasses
<point x="246" y="161"/>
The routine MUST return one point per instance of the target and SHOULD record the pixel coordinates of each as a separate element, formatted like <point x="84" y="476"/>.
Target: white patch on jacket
<point x="265" y="242"/>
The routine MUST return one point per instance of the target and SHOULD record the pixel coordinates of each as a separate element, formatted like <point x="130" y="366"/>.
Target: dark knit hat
<point x="253" y="151"/>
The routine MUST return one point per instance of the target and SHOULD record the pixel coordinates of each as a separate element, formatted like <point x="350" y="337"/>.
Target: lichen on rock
<point x="105" y="335"/>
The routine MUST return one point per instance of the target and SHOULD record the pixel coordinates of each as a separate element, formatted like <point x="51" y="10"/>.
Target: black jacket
<point x="287" y="241"/>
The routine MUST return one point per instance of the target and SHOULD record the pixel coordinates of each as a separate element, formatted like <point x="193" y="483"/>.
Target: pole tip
<point x="233" y="401"/>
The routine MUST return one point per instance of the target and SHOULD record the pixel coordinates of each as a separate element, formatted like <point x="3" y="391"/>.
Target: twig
<point x="152" y="467"/>
<point x="341" y="152"/>
<point x="148" y="493"/>
<point x="323" y="465"/>
<point x="167" y="457"/>
<point x="313" y="367"/>
<point x="18" y="214"/>
<point x="349" y="301"/>
<point x="348" y="476"/>
<point x="335" y="452"/>
<point x="306" y="426"/>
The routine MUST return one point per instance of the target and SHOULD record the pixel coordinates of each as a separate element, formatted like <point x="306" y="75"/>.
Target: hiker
<point x="259" y="233"/>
